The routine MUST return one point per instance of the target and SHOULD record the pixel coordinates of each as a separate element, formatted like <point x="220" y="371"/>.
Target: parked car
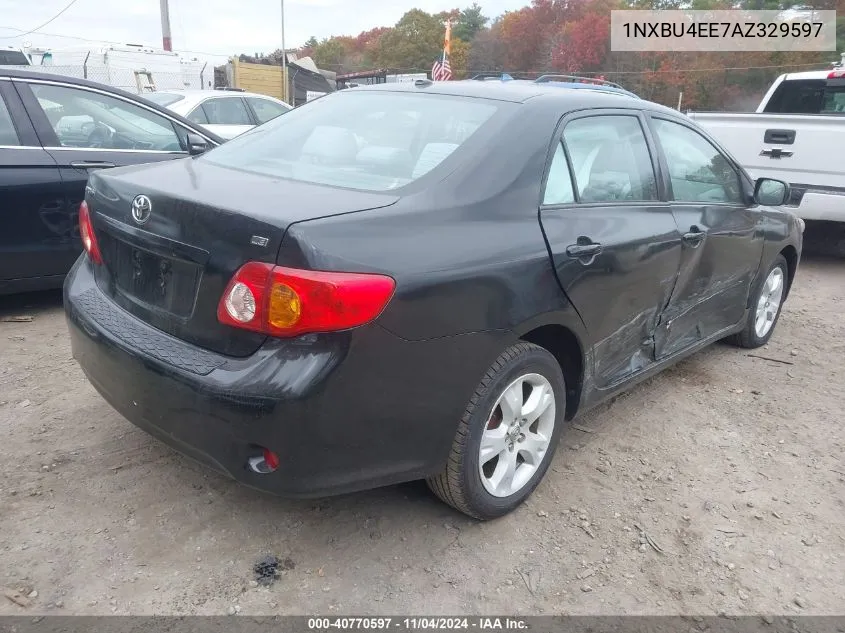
<point x="54" y="132"/>
<point x="226" y="113"/>
<point x="790" y="136"/>
<point x="420" y="280"/>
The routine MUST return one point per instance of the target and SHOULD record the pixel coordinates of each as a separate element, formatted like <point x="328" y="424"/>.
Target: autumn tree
<point x="487" y="50"/>
<point x="459" y="60"/>
<point x="582" y="46"/>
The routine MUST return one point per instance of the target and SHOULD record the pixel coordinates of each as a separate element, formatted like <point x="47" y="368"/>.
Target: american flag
<point x="442" y="69"/>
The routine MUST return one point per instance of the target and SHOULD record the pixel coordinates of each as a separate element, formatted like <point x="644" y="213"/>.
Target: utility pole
<point x="284" y="57"/>
<point x="165" y="26"/>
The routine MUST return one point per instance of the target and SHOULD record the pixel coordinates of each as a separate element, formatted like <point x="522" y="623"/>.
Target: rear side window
<point x="197" y="115"/>
<point x="226" y="111"/>
<point x="265" y="110"/>
<point x="373" y="141"/>
<point x="559" y="184"/>
<point x="8" y="135"/>
<point x="610" y="159"/>
<point x="807" y="96"/>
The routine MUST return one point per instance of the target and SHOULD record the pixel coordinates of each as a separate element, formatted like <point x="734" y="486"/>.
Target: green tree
<point x="311" y="43"/>
<point x="469" y="23"/>
<point x="413" y="44"/>
<point x="330" y="54"/>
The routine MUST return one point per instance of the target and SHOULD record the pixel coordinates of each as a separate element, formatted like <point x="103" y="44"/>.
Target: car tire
<point x="527" y="442"/>
<point x="766" y="305"/>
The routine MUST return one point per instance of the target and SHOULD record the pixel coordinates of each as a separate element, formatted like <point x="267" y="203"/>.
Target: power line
<point x="87" y="39"/>
<point x="38" y="28"/>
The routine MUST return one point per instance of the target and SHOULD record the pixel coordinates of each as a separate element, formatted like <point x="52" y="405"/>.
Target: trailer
<point x="132" y="67"/>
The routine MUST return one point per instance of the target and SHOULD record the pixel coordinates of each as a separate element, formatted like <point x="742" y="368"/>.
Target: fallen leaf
<point x="17" y="597"/>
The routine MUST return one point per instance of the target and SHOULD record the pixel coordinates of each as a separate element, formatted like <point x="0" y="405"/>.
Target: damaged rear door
<point x="722" y="240"/>
<point x="614" y="244"/>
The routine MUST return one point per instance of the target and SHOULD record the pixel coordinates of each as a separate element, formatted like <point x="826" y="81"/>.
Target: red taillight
<point x="837" y="74"/>
<point x="284" y="302"/>
<point x="271" y="459"/>
<point x="86" y="232"/>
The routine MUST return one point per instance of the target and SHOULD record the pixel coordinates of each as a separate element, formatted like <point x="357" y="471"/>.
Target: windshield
<point x="373" y="141"/>
<point x="164" y="98"/>
<point x="13" y="58"/>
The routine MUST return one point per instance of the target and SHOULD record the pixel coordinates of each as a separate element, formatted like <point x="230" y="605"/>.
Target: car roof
<point x="196" y="92"/>
<point x="809" y="74"/>
<point x="522" y="91"/>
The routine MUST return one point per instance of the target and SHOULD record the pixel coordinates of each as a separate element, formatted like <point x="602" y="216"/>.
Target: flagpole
<point x="448" y="24"/>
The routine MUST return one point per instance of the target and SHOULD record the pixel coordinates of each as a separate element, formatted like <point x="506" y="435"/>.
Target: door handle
<point x="91" y="164"/>
<point x="694" y="237"/>
<point x="579" y="251"/>
<point x="780" y="137"/>
<point x="775" y="152"/>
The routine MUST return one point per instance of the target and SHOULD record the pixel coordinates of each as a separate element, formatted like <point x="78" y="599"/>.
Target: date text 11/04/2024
<point x="715" y="30"/>
<point x="416" y="623"/>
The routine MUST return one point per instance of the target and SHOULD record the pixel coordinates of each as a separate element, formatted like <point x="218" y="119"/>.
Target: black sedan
<point x="419" y="281"/>
<point x="54" y="131"/>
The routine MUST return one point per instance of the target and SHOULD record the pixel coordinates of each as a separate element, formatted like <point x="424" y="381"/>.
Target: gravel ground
<point x="714" y="487"/>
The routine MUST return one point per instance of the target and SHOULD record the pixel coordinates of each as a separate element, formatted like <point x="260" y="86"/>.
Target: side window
<point x="559" y="183"/>
<point x="226" y="111"/>
<point x="699" y="172"/>
<point x="610" y="159"/>
<point x="834" y="100"/>
<point x="8" y="135"/>
<point x="265" y="110"/>
<point x="197" y="115"/>
<point x="85" y="119"/>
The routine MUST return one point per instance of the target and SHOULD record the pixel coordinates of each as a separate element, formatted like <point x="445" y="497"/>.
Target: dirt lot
<point x="731" y="464"/>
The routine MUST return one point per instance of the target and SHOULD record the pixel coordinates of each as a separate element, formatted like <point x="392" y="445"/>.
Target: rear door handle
<point x="694" y="237"/>
<point x="579" y="251"/>
<point x="91" y="164"/>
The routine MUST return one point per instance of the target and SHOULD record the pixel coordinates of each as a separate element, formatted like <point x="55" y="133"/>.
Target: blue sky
<point x="210" y="27"/>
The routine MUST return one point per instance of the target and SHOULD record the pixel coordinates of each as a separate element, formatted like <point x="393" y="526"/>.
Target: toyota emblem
<point x="141" y="209"/>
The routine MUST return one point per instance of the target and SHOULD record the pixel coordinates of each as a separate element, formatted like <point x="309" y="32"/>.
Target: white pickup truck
<point x="796" y="135"/>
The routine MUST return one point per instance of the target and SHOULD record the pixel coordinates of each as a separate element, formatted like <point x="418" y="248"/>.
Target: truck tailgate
<point x="799" y="149"/>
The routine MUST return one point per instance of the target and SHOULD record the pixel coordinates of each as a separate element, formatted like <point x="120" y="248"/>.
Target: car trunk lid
<point x="168" y="258"/>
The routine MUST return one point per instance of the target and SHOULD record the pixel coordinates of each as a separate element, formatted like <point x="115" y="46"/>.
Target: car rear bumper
<point x="343" y="412"/>
<point x="818" y="203"/>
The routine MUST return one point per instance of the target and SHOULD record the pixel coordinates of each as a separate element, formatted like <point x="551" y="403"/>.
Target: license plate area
<point x="153" y="280"/>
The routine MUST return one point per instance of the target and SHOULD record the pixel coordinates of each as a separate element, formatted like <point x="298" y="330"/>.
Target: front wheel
<point x="507" y="435"/>
<point x="765" y="307"/>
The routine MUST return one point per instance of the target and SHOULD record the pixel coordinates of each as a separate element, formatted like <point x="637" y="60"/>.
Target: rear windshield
<point x="808" y="96"/>
<point x="374" y="141"/>
<point x="164" y="99"/>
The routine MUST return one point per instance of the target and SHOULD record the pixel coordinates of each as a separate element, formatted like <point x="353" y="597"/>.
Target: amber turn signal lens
<point x="285" y="306"/>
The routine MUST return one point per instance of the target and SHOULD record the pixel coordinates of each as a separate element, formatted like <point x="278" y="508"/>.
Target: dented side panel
<point x="715" y="276"/>
<point x="621" y="292"/>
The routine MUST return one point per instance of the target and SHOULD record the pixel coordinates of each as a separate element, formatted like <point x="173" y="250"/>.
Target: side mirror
<point x="770" y="192"/>
<point x="196" y="144"/>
